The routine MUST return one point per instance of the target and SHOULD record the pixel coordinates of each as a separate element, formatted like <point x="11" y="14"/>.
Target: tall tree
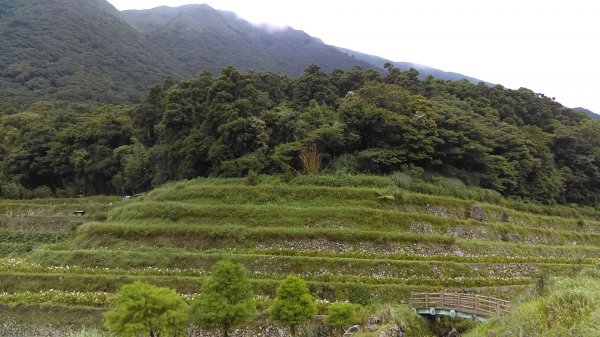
<point x="226" y="301"/>
<point x="313" y="85"/>
<point x="293" y="304"/>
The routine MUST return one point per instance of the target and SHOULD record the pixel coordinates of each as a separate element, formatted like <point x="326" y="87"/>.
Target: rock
<point x="373" y="320"/>
<point x="458" y="253"/>
<point x="504" y="217"/>
<point x="477" y="212"/>
<point x="510" y="237"/>
<point x="372" y="327"/>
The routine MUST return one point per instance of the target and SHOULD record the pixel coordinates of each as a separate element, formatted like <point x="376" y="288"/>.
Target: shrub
<point x="402" y="180"/>
<point x="144" y="309"/>
<point x="241" y="166"/>
<point x="345" y="163"/>
<point x="293" y="304"/>
<point x="380" y="160"/>
<point x="252" y="178"/>
<point x="415" y="172"/>
<point x="340" y="314"/>
<point x="42" y="192"/>
<point x="67" y="192"/>
<point x="10" y="191"/>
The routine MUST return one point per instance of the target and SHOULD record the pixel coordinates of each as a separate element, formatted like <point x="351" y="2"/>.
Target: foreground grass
<point x="566" y="307"/>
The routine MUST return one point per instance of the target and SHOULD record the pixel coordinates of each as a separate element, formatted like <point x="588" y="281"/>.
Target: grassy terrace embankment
<point x="351" y="237"/>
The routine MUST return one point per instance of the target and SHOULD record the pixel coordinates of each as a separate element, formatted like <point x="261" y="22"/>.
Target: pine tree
<point x="227" y="299"/>
<point x="293" y="304"/>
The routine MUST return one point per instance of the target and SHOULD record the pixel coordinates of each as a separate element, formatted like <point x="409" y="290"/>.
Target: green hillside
<point x="73" y="51"/>
<point x="87" y="51"/>
<point x="204" y="39"/>
<point x="357" y="238"/>
<point x="590" y="113"/>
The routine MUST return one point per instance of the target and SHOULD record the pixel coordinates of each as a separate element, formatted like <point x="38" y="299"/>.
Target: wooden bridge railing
<point x="485" y="306"/>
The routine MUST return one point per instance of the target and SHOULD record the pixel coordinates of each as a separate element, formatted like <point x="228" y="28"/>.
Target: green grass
<point x="15" y="249"/>
<point x="566" y="307"/>
<point x="33" y="236"/>
<point x="278" y="266"/>
<point x="361" y="238"/>
<point x="362" y="218"/>
<point x="203" y="237"/>
<point x="35" y="282"/>
<point x="52" y="314"/>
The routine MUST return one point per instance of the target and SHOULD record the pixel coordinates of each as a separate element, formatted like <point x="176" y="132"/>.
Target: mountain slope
<point x="590" y="113"/>
<point x="74" y="50"/>
<point x="204" y="39"/>
<point x="423" y="70"/>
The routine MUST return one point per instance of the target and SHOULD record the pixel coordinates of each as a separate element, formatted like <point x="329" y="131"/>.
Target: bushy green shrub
<point x="380" y="160"/>
<point x="340" y="314"/>
<point x="402" y="180"/>
<point x="25" y="193"/>
<point x="240" y="167"/>
<point x="391" y="316"/>
<point x="67" y="192"/>
<point x="252" y="178"/>
<point x="345" y="163"/>
<point x="144" y="309"/>
<point x="10" y="191"/>
<point x="42" y="192"/>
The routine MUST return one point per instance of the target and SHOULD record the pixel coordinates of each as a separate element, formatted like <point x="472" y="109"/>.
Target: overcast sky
<point x="550" y="47"/>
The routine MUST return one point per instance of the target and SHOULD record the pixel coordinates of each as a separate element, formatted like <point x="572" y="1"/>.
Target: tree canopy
<point x="517" y="142"/>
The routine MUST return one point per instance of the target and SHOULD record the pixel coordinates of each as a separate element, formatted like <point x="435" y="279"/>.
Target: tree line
<point x="517" y="142"/>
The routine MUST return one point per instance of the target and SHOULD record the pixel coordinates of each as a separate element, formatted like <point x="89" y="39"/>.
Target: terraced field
<point x="363" y="240"/>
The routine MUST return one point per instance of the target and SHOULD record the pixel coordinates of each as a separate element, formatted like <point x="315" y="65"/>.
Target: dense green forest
<point x="517" y="142"/>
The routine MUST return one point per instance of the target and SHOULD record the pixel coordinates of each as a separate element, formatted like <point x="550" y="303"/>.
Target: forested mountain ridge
<point x="86" y="50"/>
<point x="204" y="39"/>
<point x="590" y="113"/>
<point x="423" y="70"/>
<point x="74" y="50"/>
<point x="515" y="142"/>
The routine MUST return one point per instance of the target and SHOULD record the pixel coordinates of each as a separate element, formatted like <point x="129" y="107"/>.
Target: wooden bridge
<point x="469" y="306"/>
